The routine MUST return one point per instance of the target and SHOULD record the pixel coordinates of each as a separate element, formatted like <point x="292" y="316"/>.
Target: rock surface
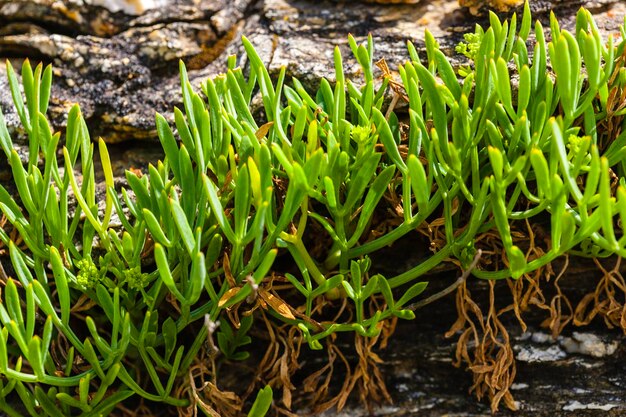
<point x="582" y="373"/>
<point x="423" y="382"/>
<point x="122" y="68"/>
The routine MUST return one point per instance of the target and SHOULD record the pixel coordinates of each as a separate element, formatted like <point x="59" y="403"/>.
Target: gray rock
<point x="121" y="68"/>
<point x="589" y="344"/>
<point x="539" y="354"/>
<point x="122" y="75"/>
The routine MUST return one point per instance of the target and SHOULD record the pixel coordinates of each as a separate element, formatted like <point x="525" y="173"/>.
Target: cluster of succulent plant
<point x="124" y="295"/>
<point x="79" y="304"/>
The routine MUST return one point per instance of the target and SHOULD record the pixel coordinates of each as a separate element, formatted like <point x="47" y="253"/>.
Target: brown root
<point x="604" y="301"/>
<point x="366" y="377"/>
<point x="280" y="361"/>
<point x="560" y="308"/>
<point x="318" y="383"/>
<point x="492" y="361"/>
<point x="205" y="395"/>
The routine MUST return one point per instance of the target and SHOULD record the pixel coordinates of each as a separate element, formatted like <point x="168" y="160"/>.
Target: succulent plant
<point x="96" y="314"/>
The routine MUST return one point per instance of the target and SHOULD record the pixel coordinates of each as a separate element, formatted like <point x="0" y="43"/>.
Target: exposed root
<point x="205" y="395"/>
<point x="484" y="343"/>
<point x="604" y="301"/>
<point x="318" y="383"/>
<point x="387" y="331"/>
<point x="560" y="307"/>
<point x="366" y="377"/>
<point x="492" y="361"/>
<point x="280" y="361"/>
<point x="526" y="291"/>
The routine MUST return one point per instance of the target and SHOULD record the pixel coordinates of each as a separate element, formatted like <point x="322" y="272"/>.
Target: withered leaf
<point x="277" y="304"/>
<point x="228" y="295"/>
<point x="263" y="130"/>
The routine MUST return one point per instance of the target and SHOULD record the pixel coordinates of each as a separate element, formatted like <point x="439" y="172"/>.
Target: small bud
<point x="88" y="274"/>
<point x="135" y="279"/>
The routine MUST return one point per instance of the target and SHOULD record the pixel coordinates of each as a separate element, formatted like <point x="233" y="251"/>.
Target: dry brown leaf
<point x="227" y="272"/>
<point x="263" y="130"/>
<point x="228" y="295"/>
<point x="277" y="304"/>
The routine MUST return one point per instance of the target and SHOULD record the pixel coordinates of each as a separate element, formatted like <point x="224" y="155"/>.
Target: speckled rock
<point x="121" y="67"/>
<point x="552" y="379"/>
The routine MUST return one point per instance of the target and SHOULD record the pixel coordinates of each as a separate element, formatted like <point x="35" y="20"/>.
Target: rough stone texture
<point x="423" y="382"/>
<point x="582" y="373"/>
<point x="121" y="68"/>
